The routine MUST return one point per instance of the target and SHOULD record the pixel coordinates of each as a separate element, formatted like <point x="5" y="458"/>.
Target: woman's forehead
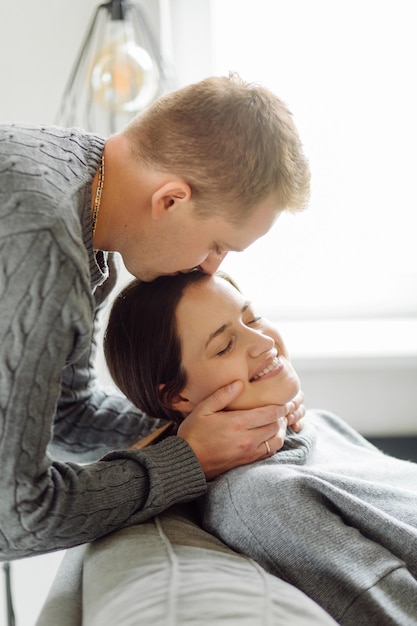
<point x="213" y="288"/>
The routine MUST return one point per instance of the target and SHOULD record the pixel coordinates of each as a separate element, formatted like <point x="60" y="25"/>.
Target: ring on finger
<point x="268" y="449"/>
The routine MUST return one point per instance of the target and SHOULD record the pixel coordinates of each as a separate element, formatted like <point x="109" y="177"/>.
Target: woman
<point x="329" y="513"/>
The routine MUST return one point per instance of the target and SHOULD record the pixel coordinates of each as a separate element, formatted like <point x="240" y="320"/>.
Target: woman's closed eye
<point x="249" y="316"/>
<point x="252" y="319"/>
<point x="256" y="318"/>
<point x="226" y="349"/>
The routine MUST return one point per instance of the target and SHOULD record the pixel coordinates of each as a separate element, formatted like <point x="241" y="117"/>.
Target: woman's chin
<point x="268" y="393"/>
<point x="276" y="400"/>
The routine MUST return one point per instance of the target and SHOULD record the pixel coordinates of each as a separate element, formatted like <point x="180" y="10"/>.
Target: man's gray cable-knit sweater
<point x="51" y="284"/>
<point x="330" y="514"/>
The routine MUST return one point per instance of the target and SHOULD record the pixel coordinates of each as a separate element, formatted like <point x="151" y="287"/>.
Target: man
<point x="203" y="171"/>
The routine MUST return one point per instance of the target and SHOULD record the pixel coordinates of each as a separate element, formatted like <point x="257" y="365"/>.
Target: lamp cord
<point x="9" y="596"/>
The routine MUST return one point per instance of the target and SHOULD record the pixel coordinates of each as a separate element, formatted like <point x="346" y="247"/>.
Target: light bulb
<point x="123" y="77"/>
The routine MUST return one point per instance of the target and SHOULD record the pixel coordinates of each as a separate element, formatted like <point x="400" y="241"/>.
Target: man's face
<point x="183" y="241"/>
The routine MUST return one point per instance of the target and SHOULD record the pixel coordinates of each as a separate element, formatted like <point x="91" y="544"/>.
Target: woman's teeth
<point x="267" y="369"/>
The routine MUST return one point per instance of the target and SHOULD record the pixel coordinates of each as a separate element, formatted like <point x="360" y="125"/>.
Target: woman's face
<point x="223" y="340"/>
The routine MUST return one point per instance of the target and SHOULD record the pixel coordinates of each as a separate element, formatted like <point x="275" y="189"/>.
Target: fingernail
<point x="282" y="421"/>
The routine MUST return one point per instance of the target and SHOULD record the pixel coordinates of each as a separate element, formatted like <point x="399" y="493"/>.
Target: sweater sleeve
<point x="91" y="421"/>
<point x="45" y="324"/>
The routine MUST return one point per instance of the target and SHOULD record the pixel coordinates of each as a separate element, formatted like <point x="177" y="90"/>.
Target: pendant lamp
<point x="119" y="70"/>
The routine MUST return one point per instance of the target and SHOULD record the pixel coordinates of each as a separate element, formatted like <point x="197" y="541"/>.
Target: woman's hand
<point x="222" y="440"/>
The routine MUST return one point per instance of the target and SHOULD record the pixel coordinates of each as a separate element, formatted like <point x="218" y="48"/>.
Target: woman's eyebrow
<point x="222" y="328"/>
<point x="217" y="332"/>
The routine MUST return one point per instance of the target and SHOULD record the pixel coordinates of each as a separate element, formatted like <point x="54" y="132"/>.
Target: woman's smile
<point x="267" y="371"/>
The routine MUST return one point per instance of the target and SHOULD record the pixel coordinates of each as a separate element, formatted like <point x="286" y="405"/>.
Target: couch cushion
<point x="170" y="572"/>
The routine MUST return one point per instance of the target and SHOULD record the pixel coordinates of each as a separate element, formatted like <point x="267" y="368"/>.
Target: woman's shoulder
<point x="330" y="425"/>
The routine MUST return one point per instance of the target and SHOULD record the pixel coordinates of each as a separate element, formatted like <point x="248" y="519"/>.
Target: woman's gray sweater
<point x="51" y="285"/>
<point x="330" y="514"/>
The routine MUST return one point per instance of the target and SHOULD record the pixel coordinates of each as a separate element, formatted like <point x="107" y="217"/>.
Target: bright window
<point x="347" y="72"/>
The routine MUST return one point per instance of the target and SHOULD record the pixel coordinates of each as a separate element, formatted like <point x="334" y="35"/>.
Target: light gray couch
<point x="169" y="572"/>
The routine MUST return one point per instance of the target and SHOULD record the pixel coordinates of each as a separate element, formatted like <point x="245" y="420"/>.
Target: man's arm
<point x="47" y="505"/>
<point x="91" y="421"/>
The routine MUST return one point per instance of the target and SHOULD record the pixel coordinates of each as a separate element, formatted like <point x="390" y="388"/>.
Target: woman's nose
<point x="259" y="343"/>
<point x="212" y="262"/>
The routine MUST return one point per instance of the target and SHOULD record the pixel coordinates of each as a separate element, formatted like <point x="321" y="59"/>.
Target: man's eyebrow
<point x="222" y="328"/>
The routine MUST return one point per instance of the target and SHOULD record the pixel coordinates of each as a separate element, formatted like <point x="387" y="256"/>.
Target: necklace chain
<point x="99" y="192"/>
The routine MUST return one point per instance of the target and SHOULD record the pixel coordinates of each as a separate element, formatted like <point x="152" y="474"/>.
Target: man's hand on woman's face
<point x="222" y="440"/>
<point x="295" y="416"/>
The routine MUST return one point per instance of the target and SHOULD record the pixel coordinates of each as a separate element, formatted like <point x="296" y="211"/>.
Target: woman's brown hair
<point x="141" y="344"/>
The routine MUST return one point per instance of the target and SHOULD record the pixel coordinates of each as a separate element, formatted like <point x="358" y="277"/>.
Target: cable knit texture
<point x="52" y="410"/>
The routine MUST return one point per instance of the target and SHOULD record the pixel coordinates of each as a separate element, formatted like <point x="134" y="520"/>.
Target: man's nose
<point x="212" y="262"/>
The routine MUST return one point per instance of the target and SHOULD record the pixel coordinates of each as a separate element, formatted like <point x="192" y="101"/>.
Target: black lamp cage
<point x="119" y="70"/>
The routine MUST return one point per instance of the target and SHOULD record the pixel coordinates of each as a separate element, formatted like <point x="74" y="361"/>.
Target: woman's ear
<point x="170" y="196"/>
<point x="177" y="403"/>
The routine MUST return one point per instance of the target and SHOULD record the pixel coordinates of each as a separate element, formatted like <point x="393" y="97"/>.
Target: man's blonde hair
<point x="234" y="143"/>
